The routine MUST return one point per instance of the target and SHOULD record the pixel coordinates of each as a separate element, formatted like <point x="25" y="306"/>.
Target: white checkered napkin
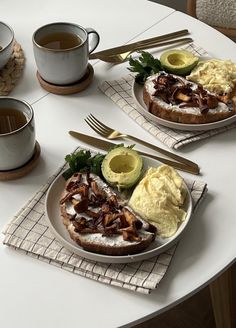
<point x="28" y="232"/>
<point x="120" y="91"/>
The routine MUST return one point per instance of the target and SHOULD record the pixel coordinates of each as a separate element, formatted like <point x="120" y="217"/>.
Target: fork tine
<point x="95" y="127"/>
<point x="92" y="126"/>
<point x="96" y="121"/>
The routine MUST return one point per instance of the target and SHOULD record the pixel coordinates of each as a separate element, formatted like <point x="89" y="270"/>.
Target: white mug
<point x="65" y="65"/>
<point x="17" y="141"/>
<point x="6" y="43"/>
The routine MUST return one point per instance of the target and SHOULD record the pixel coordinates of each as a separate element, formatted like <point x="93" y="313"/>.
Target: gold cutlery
<point x="107" y="145"/>
<point x="130" y="46"/>
<point x="123" y="56"/>
<point x="110" y="133"/>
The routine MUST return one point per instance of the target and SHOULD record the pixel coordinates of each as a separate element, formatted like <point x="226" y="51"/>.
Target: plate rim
<point x="146" y="254"/>
<point x="142" y="109"/>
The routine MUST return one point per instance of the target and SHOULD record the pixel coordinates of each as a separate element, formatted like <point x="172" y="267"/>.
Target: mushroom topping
<point x="99" y="212"/>
<point x="173" y="90"/>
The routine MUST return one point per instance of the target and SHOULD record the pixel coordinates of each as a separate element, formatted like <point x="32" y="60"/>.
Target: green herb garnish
<point x="145" y="66"/>
<point x="82" y="161"/>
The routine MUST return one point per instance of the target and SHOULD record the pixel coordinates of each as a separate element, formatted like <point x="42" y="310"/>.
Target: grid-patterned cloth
<point x="29" y="233"/>
<point x="120" y="91"/>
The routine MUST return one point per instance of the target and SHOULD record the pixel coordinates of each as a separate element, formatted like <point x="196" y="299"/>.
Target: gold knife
<point x="107" y="145"/>
<point x="130" y="46"/>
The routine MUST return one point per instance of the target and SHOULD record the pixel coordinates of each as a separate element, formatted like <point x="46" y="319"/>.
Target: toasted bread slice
<point x="97" y="221"/>
<point x="176" y="106"/>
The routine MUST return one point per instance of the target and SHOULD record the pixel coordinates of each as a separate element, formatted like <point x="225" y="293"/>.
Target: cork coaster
<point x="70" y="88"/>
<point x="23" y="170"/>
<point x="11" y="72"/>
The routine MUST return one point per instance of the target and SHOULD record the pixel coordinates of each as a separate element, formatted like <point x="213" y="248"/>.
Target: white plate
<point x="142" y="109"/>
<point x="55" y="223"/>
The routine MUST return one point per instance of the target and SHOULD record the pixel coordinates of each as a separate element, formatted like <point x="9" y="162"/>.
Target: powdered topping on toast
<point x="94" y="208"/>
<point x="176" y="99"/>
<point x="173" y="90"/>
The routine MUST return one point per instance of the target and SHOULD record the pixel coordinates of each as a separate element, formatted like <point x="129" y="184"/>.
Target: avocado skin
<point x="188" y="59"/>
<point x="115" y="160"/>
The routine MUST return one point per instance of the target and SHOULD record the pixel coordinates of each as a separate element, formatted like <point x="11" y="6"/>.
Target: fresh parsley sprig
<point x="82" y="161"/>
<point x="145" y="66"/>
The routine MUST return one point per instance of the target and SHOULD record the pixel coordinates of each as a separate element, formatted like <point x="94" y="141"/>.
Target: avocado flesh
<point x="122" y="167"/>
<point x="179" y="62"/>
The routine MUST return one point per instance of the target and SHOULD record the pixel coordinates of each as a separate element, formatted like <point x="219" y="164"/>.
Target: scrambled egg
<point x="158" y="198"/>
<point x="215" y="75"/>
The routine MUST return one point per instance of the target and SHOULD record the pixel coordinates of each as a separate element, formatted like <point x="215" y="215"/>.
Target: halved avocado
<point x="122" y="167"/>
<point x="179" y="62"/>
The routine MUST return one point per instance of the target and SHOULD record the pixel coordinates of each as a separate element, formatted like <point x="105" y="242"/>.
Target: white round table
<point x="35" y="294"/>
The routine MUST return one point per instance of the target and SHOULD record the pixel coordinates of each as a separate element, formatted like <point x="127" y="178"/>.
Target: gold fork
<point x="109" y="133"/>
<point x="130" y="46"/>
<point x="123" y="56"/>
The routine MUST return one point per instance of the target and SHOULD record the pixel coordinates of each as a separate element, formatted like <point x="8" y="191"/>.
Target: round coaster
<point x="23" y="170"/>
<point x="11" y="72"/>
<point x="69" y="88"/>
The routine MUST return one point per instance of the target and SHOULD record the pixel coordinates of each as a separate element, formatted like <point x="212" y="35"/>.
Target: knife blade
<point x="130" y="46"/>
<point x="107" y="145"/>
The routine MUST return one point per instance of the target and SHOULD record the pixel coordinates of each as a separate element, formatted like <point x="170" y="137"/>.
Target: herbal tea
<point x="60" y="40"/>
<point x="11" y="119"/>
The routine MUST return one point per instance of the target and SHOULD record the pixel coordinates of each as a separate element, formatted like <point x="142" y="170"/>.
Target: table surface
<point x="36" y="294"/>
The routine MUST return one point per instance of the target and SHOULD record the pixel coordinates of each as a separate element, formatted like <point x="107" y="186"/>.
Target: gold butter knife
<point x="107" y="145"/>
<point x="131" y="46"/>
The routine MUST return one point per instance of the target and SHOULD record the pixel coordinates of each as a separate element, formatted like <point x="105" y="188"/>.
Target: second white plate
<point x="54" y="219"/>
<point x="142" y="109"/>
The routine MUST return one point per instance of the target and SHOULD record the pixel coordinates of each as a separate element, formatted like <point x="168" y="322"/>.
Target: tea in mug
<point x="60" y="40"/>
<point x="11" y="119"/>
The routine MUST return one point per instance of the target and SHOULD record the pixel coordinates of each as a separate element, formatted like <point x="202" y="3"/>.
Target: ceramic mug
<point x="17" y="133"/>
<point x="61" y="51"/>
<point x="6" y="43"/>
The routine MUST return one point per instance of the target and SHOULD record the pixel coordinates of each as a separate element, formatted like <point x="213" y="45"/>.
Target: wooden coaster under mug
<point x="79" y="86"/>
<point x="23" y="170"/>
